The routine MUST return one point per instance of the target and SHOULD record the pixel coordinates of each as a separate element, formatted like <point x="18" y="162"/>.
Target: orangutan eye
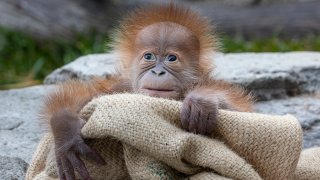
<point x="149" y="57"/>
<point x="172" y="58"/>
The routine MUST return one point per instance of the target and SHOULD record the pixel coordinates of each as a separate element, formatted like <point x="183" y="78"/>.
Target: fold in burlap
<point x="140" y="138"/>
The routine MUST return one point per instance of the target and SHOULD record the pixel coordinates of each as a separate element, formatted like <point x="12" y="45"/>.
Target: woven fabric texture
<point x="140" y="138"/>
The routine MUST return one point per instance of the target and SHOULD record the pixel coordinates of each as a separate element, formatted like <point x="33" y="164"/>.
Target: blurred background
<point x="38" y="36"/>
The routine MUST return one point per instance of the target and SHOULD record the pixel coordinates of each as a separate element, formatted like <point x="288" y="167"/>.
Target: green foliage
<point x="25" y="61"/>
<point x="273" y="44"/>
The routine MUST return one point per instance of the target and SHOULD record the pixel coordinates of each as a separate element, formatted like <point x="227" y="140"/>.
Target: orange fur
<point x="233" y="94"/>
<point x="142" y="17"/>
<point x="189" y="82"/>
<point x="74" y="94"/>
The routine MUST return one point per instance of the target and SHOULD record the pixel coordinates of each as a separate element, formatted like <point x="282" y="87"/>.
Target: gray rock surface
<point x="84" y="68"/>
<point x="19" y="125"/>
<point x="268" y="75"/>
<point x="12" y="168"/>
<point x="20" y="129"/>
<point x="272" y="75"/>
<point x="305" y="108"/>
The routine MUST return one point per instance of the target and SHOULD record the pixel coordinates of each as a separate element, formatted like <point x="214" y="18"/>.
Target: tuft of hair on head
<point x="141" y="17"/>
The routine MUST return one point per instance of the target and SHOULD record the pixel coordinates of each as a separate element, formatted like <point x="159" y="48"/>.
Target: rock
<point x="268" y="75"/>
<point x="84" y="68"/>
<point x="19" y="125"/>
<point x="272" y="75"/>
<point x="12" y="168"/>
<point x="305" y="108"/>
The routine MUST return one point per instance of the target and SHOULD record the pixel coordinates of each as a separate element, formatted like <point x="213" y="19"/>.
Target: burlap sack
<point x="140" y="138"/>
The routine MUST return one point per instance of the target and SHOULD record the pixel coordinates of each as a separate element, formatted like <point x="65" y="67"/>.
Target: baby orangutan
<point x="165" y="52"/>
